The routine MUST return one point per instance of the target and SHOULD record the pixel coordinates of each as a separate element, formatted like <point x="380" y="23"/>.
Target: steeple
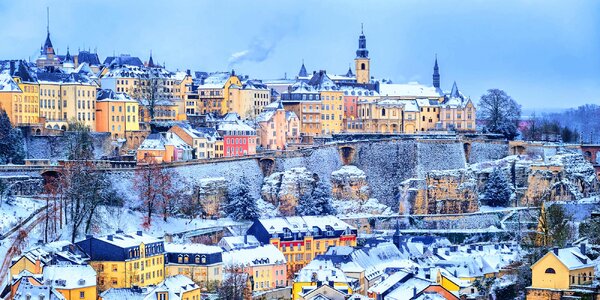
<point x="362" y="63"/>
<point x="68" y="57"/>
<point x="362" y="44"/>
<point x="303" y="72"/>
<point x="150" y="61"/>
<point x="48" y="49"/>
<point x="349" y="73"/>
<point x="436" y="74"/>
<point x="455" y="93"/>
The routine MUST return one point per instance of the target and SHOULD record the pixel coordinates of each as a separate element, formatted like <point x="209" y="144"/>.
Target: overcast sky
<point x="546" y="54"/>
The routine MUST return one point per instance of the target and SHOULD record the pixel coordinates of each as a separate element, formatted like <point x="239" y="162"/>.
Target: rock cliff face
<point x="563" y="177"/>
<point x="283" y="189"/>
<point x="349" y="183"/>
<point x="566" y="176"/>
<point x="212" y="193"/>
<point x="441" y="192"/>
<point x="351" y="193"/>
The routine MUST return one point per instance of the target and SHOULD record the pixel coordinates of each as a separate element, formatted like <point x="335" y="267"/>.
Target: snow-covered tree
<point x="497" y="190"/>
<point x="11" y="141"/>
<point x="318" y="203"/>
<point x="500" y="112"/>
<point x="241" y="205"/>
<point x="79" y="143"/>
<point x="154" y="185"/>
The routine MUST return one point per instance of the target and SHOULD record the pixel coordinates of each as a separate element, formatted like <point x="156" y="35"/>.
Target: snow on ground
<point x="19" y="209"/>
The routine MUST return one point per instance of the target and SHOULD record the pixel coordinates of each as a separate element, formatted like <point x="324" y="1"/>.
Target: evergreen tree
<point x="497" y="190"/>
<point x="318" y="203"/>
<point x="11" y="141"/>
<point x="241" y="204"/>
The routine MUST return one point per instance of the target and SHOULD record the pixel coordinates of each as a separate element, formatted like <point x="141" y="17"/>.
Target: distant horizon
<point x="542" y="53"/>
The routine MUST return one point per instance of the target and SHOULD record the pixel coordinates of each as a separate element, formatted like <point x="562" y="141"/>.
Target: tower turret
<point x="436" y="74"/>
<point x="362" y="61"/>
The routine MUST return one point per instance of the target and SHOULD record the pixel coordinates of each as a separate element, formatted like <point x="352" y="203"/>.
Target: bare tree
<point x="151" y="90"/>
<point x="154" y="185"/>
<point x="236" y="284"/>
<point x="500" y="112"/>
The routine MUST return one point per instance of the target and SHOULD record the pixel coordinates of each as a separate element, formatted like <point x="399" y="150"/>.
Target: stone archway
<point x="267" y="165"/>
<point x="347" y="154"/>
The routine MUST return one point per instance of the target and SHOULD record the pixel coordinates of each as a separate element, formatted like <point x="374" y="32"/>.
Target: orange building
<point x="116" y="113"/>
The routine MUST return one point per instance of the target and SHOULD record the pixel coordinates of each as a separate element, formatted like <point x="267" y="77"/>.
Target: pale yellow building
<point x="249" y="99"/>
<point x="560" y="272"/>
<point x="67" y="98"/>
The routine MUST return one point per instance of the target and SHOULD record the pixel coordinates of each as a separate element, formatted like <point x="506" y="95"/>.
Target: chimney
<point x="110" y="237"/>
<point x="119" y="231"/>
<point x="555" y="250"/>
<point x="414" y="291"/>
<point x="245" y="239"/>
<point x="139" y="232"/>
<point x="582" y="248"/>
<point x="188" y="72"/>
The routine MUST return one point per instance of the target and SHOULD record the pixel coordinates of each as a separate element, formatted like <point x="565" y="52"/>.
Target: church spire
<point x="150" y="61"/>
<point x="48" y="49"/>
<point x="436" y="74"/>
<point x="362" y="44"/>
<point x="303" y="72"/>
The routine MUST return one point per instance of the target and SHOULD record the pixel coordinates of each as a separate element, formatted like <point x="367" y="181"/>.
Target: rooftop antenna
<point x="48" y="19"/>
<point x="361" y="29"/>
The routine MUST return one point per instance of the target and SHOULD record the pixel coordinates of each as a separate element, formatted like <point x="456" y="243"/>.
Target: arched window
<point x="550" y="271"/>
<point x="362" y="66"/>
<point x="197" y="259"/>
<point x="383" y="112"/>
<point x="179" y="259"/>
<point x="186" y="259"/>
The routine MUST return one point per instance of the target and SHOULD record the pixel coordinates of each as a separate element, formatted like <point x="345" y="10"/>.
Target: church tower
<point x="362" y="62"/>
<point x="436" y="74"/>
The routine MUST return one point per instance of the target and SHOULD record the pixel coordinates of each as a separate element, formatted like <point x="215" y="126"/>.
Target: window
<point x="550" y="271"/>
<point x="81" y="295"/>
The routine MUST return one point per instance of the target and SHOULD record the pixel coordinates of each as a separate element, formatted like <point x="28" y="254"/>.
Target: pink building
<point x="276" y="127"/>
<point x="265" y="265"/>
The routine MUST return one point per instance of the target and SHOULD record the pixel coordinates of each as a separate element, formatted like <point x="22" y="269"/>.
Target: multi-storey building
<point x="163" y="147"/>
<point x="11" y="98"/>
<point x="116" y="113"/>
<point x="202" y="139"/>
<point x="265" y="265"/>
<point x="305" y="102"/>
<point x="123" y="260"/>
<point x="74" y="282"/>
<point x="272" y="128"/>
<point x="67" y="98"/>
<point x="318" y="273"/>
<point x="176" y="287"/>
<point x="249" y="99"/>
<point x="213" y="94"/>
<point x="239" y="139"/>
<point x="300" y="239"/>
<point x="332" y="102"/>
<point x="201" y="263"/>
<point x="26" y="105"/>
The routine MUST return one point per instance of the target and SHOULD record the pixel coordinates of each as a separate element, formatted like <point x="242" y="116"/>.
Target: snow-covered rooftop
<point x="192" y="248"/>
<point x="261" y="255"/>
<point x="69" y="276"/>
